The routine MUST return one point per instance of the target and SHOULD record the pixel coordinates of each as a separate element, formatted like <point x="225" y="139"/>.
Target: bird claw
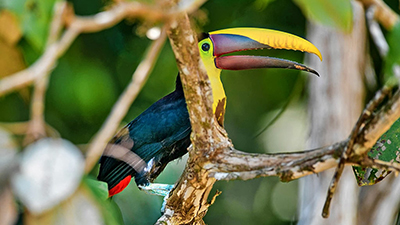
<point x="158" y="189"/>
<point x="164" y="204"/>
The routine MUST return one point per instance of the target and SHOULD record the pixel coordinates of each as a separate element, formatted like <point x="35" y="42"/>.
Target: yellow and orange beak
<point x="239" y="39"/>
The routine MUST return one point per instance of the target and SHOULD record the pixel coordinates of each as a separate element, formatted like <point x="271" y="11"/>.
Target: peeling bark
<point x="188" y="201"/>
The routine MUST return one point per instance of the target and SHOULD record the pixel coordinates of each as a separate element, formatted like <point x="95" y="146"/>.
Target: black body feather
<point x="157" y="136"/>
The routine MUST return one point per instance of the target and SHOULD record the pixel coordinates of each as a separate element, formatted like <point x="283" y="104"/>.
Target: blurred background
<point x="95" y="70"/>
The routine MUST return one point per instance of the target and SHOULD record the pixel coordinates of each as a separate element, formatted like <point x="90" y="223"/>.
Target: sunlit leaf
<point x="99" y="188"/>
<point x="393" y="58"/>
<point x="387" y="148"/>
<point x="10" y="31"/>
<point x="50" y="171"/>
<point x="11" y="60"/>
<point x="334" y="13"/>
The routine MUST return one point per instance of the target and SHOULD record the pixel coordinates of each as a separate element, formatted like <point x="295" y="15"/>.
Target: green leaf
<point x="393" y="57"/>
<point x="109" y="209"/>
<point x="98" y="188"/>
<point x="387" y="148"/>
<point x="334" y="13"/>
<point x="262" y="4"/>
<point x="34" y="19"/>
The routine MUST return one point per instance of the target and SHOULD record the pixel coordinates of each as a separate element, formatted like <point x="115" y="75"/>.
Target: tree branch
<point x="376" y="32"/>
<point x="231" y="164"/>
<point x="234" y="164"/>
<point x="37" y="125"/>
<point x="188" y="201"/>
<point x="383" y="13"/>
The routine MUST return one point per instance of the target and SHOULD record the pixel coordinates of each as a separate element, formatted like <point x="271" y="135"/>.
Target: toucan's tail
<point x="115" y="173"/>
<point x="117" y="166"/>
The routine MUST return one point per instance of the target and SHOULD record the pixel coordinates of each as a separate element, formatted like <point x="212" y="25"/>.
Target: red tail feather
<point x="120" y="186"/>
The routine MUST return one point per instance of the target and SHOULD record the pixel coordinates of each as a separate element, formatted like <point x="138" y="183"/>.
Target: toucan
<point x="143" y="148"/>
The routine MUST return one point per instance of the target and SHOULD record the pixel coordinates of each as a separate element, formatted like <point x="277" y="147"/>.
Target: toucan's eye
<point x="205" y="47"/>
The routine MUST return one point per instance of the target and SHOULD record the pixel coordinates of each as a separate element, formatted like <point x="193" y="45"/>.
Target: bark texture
<point x="188" y="202"/>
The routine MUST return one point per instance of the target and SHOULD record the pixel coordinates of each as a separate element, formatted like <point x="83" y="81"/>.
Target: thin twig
<point x="21" y="128"/>
<point x="41" y="67"/>
<point x="379" y="38"/>
<point x="128" y="9"/>
<point x="37" y="127"/>
<point x="379" y="164"/>
<point x="121" y="107"/>
<point x="365" y="115"/>
<point x="376" y="32"/>
<point x="383" y="14"/>
<point x="114" y="15"/>
<point x="332" y="187"/>
<point x="57" y="23"/>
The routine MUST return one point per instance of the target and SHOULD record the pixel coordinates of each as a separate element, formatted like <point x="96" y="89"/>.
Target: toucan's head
<point x="221" y="42"/>
<point x="218" y="43"/>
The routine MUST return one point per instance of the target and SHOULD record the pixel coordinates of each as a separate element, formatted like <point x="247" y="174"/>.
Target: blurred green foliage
<point x="331" y="13"/>
<point x="34" y="17"/>
<point x="92" y="74"/>
<point x="393" y="57"/>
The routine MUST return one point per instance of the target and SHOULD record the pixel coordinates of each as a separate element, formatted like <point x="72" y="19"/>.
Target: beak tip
<point x="315" y="72"/>
<point x="318" y="53"/>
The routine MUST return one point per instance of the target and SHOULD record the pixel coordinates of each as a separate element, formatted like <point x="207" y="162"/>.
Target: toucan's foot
<point x="164" y="203"/>
<point x="157" y="189"/>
